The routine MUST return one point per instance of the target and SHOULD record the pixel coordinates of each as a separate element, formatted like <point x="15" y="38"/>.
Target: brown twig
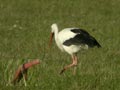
<point x="22" y="71"/>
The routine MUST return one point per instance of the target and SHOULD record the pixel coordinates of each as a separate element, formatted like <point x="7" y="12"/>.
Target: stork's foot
<point x="62" y="71"/>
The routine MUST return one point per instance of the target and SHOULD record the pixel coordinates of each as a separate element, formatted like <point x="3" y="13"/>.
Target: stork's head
<point x="53" y="29"/>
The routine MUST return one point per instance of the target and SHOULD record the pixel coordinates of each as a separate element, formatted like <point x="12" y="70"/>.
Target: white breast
<point x="65" y="34"/>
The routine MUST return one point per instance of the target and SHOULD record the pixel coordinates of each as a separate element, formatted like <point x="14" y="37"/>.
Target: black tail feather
<point x="97" y="44"/>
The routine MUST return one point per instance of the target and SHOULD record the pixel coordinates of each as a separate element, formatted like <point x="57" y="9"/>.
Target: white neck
<point x="55" y="31"/>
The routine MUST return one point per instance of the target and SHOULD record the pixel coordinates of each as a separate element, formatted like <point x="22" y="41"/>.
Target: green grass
<point x="24" y="35"/>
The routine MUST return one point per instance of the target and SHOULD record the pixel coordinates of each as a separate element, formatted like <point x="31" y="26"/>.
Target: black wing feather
<point x="80" y="31"/>
<point x="82" y="37"/>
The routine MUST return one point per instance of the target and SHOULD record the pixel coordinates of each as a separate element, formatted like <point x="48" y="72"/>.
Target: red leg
<point x="74" y="63"/>
<point x="74" y="70"/>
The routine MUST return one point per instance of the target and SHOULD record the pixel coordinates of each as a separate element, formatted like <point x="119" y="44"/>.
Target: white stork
<point x="71" y="40"/>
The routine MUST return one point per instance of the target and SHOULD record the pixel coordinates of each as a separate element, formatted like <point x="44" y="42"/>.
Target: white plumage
<point x="71" y="40"/>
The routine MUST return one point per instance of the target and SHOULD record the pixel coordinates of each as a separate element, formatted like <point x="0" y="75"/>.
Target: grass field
<point x="24" y="35"/>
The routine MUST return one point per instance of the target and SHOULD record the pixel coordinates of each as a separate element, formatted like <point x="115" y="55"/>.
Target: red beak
<point x="51" y="37"/>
